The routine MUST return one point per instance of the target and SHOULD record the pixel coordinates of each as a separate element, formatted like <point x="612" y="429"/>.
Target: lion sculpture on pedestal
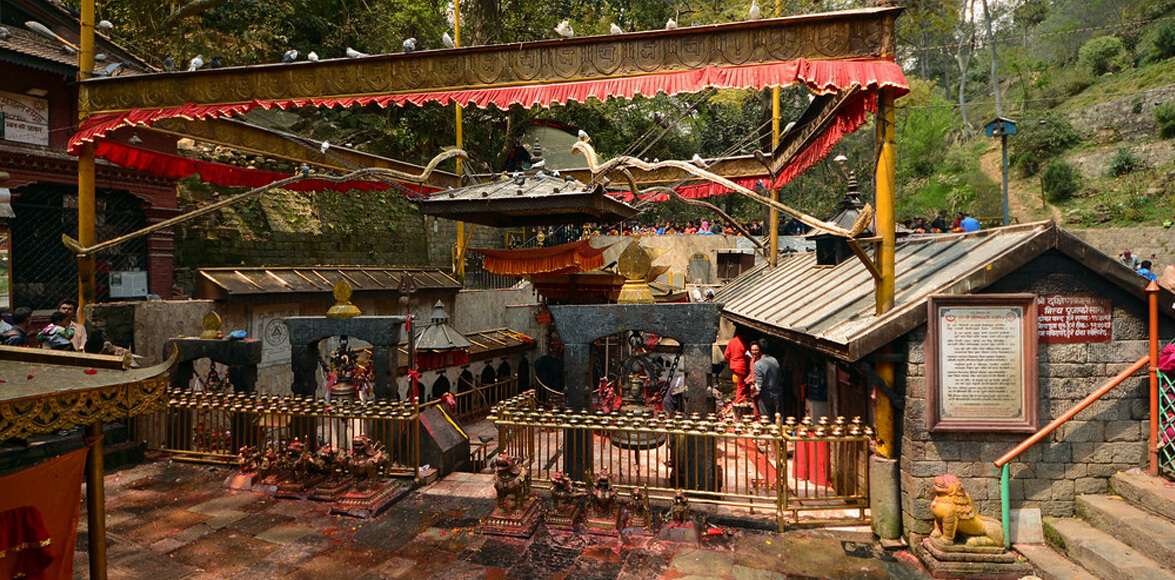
<point x="956" y="520"/>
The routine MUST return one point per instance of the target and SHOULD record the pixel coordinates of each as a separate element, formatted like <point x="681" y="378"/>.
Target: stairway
<point x="1129" y="535"/>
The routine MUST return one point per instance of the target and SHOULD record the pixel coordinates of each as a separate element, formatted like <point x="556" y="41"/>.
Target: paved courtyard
<point x="173" y="520"/>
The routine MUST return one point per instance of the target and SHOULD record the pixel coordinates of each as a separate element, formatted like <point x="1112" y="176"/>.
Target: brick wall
<point x="1077" y="459"/>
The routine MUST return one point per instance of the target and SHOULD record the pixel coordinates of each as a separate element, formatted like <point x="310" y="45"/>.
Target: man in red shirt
<point x="736" y="359"/>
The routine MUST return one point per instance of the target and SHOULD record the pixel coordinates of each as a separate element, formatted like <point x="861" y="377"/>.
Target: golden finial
<point x="634" y="264"/>
<point x="343" y="307"/>
<point x="212" y="324"/>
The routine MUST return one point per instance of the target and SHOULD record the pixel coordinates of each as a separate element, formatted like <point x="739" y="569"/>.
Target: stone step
<point x="1142" y="530"/>
<point x="1051" y="565"/>
<point x="1155" y="494"/>
<point x="1100" y="553"/>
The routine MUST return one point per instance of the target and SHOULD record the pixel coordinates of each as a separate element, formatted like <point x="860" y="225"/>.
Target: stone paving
<point x="172" y="520"/>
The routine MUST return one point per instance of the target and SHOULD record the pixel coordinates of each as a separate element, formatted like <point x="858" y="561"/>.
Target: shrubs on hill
<point x="1041" y="139"/>
<point x="1162" y="46"/>
<point x="1165" y="118"/>
<point x="1060" y="181"/>
<point x="1103" y="54"/>
<point x="1124" y="162"/>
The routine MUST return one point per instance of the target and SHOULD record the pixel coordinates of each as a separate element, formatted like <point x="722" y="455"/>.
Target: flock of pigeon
<point x="563" y="29"/>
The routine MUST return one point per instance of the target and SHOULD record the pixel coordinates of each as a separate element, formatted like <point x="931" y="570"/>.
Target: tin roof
<point x="832" y="308"/>
<point x="527" y="199"/>
<point x="312" y="279"/>
<point x="485" y="344"/>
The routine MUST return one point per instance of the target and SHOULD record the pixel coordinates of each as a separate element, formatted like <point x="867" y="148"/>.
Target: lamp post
<point x="1002" y="127"/>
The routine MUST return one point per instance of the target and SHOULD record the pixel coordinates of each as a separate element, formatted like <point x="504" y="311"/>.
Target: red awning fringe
<point x="563" y="259"/>
<point x="176" y="167"/>
<point x="818" y="75"/>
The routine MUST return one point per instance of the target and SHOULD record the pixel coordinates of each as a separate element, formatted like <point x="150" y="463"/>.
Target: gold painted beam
<point x="252" y="138"/>
<point x="737" y="167"/>
<point x="860" y="33"/>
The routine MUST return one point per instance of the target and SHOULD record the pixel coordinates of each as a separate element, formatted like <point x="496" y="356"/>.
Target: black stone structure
<point x="382" y="332"/>
<point x="694" y="325"/>
<point x="242" y="358"/>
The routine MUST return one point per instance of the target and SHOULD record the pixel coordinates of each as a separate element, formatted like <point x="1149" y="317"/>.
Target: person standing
<point x="18" y="332"/>
<point x="1144" y="270"/>
<point x="70" y="309"/>
<point x="768" y="381"/>
<point x="58" y="335"/>
<point x="736" y="359"/>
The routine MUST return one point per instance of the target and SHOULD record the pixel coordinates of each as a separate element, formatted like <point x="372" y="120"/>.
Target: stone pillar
<point x="577" y="378"/>
<point x="696" y="360"/>
<point x="304" y="363"/>
<point x="385" y="388"/>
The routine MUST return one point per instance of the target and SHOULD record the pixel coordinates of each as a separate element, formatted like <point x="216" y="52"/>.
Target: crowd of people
<point x="63" y="332"/>
<point x="941" y="224"/>
<point x="1145" y="268"/>
<point x="758" y="379"/>
<point x="688" y="228"/>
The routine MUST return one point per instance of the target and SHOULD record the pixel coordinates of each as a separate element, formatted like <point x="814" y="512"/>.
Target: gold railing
<point x="210" y="427"/>
<point x="786" y="467"/>
<point x="481" y="399"/>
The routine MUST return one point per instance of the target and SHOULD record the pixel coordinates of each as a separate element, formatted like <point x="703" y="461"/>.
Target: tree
<point x="965" y="37"/>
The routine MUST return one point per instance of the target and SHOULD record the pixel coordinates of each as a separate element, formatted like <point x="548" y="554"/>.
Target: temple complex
<point x="831" y="395"/>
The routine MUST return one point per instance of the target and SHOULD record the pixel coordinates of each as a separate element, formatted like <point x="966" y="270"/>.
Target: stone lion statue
<point x="955" y="518"/>
<point x="511" y="482"/>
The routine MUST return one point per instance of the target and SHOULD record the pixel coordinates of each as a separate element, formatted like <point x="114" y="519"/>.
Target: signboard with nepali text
<point x="981" y="363"/>
<point x="26" y="119"/>
<point x="1069" y="319"/>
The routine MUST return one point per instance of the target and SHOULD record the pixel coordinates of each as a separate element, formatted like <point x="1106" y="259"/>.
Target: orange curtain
<point x="565" y="258"/>
<point x="39" y="511"/>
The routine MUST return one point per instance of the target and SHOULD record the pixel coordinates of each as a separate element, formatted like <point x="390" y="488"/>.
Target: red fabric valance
<point x="820" y="76"/>
<point x="564" y="259"/>
<point x="176" y="167"/>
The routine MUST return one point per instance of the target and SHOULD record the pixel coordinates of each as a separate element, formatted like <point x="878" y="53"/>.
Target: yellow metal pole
<point x="96" y="502"/>
<point x="459" y="257"/>
<point x="773" y="214"/>
<point x="86" y="203"/>
<point x="886" y="183"/>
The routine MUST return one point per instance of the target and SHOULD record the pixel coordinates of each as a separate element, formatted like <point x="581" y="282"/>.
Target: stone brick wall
<point x="1077" y="459"/>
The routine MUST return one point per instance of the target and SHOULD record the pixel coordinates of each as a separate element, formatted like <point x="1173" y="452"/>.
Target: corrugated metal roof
<point x="484" y="343"/>
<point x="832" y="308"/>
<point x="526" y="199"/>
<point x="288" y="280"/>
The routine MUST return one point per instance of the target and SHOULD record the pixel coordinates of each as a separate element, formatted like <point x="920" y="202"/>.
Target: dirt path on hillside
<point x="1023" y="198"/>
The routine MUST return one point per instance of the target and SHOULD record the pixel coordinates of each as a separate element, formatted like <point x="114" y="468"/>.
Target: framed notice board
<point x="981" y="367"/>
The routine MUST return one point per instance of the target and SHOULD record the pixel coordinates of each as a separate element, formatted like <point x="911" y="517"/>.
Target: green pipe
<point x="1005" y="507"/>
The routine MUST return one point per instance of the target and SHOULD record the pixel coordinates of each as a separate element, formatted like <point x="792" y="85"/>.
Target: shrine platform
<point x="175" y="520"/>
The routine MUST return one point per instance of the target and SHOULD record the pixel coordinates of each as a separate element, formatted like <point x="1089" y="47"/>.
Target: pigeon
<point x="3" y="33"/>
<point x="448" y="41"/>
<point x="564" y="29"/>
<point x="168" y="63"/>
<point x="135" y="139"/>
<point x="755" y="12"/>
<point x="196" y="63"/>
<point x="111" y="69"/>
<point x="352" y="53"/>
<point x="290" y="56"/>
<point x="105" y="25"/>
<point x="410" y="45"/>
<point x="614" y="29"/>
<point x="583" y="136"/>
<point x="541" y="163"/>
<point x="215" y="62"/>
<point x="100" y="57"/>
<point x="789" y="126"/>
<point x="697" y="160"/>
<point x="312" y="57"/>
<point x="671" y="24"/>
<point x="322" y="148"/>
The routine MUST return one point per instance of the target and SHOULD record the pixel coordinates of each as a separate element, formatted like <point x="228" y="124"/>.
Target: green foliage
<point x="1060" y="180"/>
<point x="1165" y="118"/>
<point x="1041" y="139"/>
<point x="1103" y="54"/>
<point x="925" y="125"/>
<point x="1064" y="83"/>
<point x="1164" y="43"/>
<point x="1124" y="162"/>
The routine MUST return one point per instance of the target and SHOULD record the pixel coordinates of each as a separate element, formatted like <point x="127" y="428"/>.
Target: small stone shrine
<point x="564" y="510"/>
<point x="965" y="543"/>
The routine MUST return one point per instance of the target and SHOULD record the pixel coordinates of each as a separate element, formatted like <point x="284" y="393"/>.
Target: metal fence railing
<point x="1166" y="437"/>
<point x="782" y="467"/>
<point x="479" y="400"/>
<point x="210" y="427"/>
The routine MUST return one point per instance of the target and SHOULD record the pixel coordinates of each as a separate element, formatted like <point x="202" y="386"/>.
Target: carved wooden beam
<point x="737" y="167"/>
<point x="861" y="33"/>
<point x="244" y="136"/>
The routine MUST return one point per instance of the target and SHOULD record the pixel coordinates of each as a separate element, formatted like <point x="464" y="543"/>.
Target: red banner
<point x="1071" y="319"/>
<point x="39" y="510"/>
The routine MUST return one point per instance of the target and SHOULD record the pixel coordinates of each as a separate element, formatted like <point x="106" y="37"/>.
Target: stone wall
<point x="146" y="326"/>
<point x="1142" y="241"/>
<point x="1077" y="459"/>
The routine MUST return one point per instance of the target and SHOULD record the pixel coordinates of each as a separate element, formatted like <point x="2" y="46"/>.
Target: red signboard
<point x="1069" y="319"/>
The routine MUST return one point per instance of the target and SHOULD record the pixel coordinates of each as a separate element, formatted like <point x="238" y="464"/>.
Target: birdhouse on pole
<point x="1000" y="127"/>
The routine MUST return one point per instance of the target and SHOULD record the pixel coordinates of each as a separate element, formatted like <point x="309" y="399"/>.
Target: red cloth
<point x="1167" y="358"/>
<point x="39" y="511"/>
<point x="563" y="259"/>
<point x="177" y="167"/>
<point x="820" y="76"/>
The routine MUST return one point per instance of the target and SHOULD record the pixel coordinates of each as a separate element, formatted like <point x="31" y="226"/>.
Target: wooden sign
<point x="1074" y="318"/>
<point x="981" y="366"/>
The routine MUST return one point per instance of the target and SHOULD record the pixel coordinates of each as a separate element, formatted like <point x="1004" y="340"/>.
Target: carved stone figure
<point x="603" y="495"/>
<point x="248" y="459"/>
<point x="366" y="461"/>
<point x="511" y="482"/>
<point x="640" y="515"/>
<point x="562" y="491"/>
<point x="955" y="518"/>
<point x="679" y="512"/>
